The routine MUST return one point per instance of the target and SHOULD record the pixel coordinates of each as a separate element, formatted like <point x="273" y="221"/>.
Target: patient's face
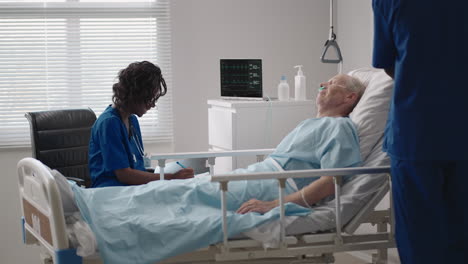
<point x="334" y="92"/>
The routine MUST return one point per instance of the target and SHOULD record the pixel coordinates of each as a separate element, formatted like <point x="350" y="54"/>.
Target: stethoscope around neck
<point x="133" y="137"/>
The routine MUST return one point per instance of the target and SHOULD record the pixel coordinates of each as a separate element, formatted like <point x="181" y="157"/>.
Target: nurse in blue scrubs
<point x="116" y="147"/>
<point x="422" y="45"/>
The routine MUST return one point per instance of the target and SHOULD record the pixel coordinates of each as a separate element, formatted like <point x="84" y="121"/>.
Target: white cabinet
<point x="235" y="125"/>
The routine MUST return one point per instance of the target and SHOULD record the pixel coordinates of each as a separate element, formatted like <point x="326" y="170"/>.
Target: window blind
<point x="59" y="55"/>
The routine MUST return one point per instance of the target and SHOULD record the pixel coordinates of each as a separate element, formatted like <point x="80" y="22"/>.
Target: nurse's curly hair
<point x="140" y="82"/>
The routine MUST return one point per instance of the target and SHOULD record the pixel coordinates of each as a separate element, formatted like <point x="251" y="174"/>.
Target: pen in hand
<point x="185" y="173"/>
<point x="180" y="164"/>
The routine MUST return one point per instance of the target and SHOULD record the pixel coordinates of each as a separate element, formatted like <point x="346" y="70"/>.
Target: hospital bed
<point x="313" y="239"/>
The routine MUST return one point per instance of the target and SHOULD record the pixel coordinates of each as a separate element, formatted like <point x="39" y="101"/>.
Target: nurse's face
<point x="140" y="108"/>
<point x="334" y="92"/>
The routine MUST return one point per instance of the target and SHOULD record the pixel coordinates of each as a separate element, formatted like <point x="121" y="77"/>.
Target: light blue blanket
<point x="148" y="223"/>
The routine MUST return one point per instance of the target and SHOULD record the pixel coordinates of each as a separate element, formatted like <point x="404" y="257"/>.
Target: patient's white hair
<point x="355" y="85"/>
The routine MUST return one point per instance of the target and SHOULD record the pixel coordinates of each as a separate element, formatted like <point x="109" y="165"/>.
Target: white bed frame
<point x="44" y="221"/>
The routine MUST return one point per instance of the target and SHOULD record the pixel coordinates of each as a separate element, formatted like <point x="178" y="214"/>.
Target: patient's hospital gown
<point x="151" y="222"/>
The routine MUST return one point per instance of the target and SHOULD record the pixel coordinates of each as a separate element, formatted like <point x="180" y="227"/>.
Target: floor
<point x="344" y="258"/>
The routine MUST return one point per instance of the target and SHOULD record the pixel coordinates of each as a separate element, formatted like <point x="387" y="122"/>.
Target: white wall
<point x="282" y="33"/>
<point x="355" y="33"/>
<point x="12" y="249"/>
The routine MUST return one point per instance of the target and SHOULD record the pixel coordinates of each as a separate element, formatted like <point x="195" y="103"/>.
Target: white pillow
<point x="370" y="114"/>
<point x="370" y="117"/>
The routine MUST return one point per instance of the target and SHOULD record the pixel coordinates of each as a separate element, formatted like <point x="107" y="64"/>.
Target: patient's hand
<point x="255" y="205"/>
<point x="183" y="174"/>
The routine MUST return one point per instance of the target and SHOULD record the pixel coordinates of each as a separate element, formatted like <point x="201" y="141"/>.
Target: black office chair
<point x="59" y="139"/>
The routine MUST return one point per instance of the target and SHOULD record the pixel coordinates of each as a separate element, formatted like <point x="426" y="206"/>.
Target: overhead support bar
<point x="331" y="43"/>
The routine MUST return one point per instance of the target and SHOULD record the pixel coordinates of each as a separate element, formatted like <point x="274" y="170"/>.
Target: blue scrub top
<point x="425" y="42"/>
<point x="112" y="148"/>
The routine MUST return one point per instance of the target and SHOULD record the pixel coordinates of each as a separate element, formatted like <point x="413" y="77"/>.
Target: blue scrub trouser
<point x="431" y="211"/>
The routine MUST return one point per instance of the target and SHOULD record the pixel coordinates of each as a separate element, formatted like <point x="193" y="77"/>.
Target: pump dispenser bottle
<point x="283" y="89"/>
<point x="299" y="85"/>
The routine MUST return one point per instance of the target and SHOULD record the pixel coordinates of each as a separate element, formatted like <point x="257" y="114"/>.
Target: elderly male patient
<point x="173" y="217"/>
<point x="328" y="141"/>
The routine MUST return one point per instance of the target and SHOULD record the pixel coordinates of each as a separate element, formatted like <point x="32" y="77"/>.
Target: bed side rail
<point x="223" y="179"/>
<point x="43" y="218"/>
<point x="366" y="210"/>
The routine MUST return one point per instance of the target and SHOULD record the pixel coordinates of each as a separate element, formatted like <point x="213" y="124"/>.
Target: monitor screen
<point x="241" y="78"/>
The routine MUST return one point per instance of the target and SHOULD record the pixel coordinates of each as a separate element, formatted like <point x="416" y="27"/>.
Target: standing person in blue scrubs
<point x="116" y="148"/>
<point x="422" y="45"/>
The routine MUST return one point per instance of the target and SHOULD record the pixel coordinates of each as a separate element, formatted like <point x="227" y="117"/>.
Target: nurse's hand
<point x="255" y="205"/>
<point x="186" y="173"/>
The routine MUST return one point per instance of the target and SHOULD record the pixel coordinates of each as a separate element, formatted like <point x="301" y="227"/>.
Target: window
<point x="67" y="54"/>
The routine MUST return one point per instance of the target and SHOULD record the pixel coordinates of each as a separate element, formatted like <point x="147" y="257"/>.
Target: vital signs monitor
<point x="241" y="78"/>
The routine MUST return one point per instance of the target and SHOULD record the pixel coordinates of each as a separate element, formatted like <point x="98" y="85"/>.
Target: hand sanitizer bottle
<point x="283" y="89"/>
<point x="299" y="85"/>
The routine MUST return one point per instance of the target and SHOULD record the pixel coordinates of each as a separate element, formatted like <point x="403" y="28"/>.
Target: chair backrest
<point x="60" y="138"/>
